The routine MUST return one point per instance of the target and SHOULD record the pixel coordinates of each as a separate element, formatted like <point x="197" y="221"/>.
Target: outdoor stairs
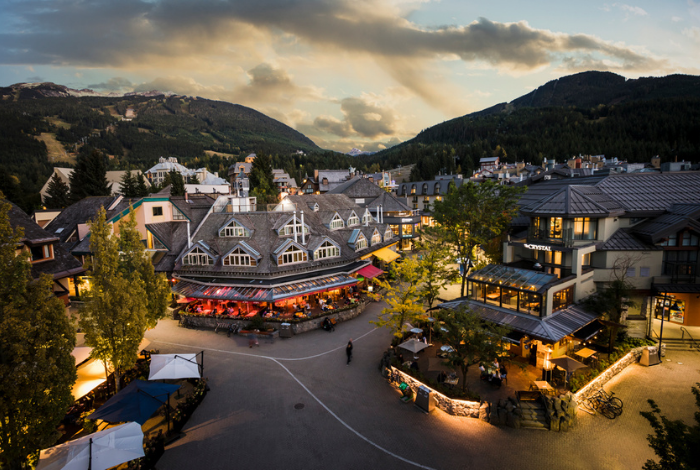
<point x="533" y="415"/>
<point x="678" y="344"/>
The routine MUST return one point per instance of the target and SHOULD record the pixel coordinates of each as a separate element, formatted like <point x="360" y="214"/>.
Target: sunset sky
<point x="346" y="73"/>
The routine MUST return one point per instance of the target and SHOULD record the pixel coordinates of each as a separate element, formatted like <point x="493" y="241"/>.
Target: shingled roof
<point x="678" y="217"/>
<point x="652" y="192"/>
<point x="77" y="213"/>
<point x="623" y="240"/>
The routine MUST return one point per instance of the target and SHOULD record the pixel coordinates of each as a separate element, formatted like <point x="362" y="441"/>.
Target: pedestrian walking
<point x="348" y="351"/>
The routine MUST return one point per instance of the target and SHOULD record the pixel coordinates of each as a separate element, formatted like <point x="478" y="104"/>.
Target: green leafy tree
<point x="262" y="182"/>
<point x="89" y="177"/>
<point x="37" y="370"/>
<point x="402" y="296"/>
<point x="58" y="193"/>
<point x="114" y="316"/>
<point x="177" y="184"/>
<point x="471" y="339"/>
<point x="136" y="264"/>
<point x="434" y="262"/>
<point x="128" y="183"/>
<point x="141" y="189"/>
<point x="675" y="443"/>
<point x="472" y="215"/>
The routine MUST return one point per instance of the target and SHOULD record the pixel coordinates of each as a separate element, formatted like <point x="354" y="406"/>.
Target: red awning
<point x="369" y="272"/>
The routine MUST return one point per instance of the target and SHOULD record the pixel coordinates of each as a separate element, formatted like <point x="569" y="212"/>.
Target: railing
<point x="562" y="237"/>
<point x="692" y="340"/>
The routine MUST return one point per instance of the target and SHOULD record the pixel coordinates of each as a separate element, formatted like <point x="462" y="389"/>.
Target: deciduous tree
<point x="37" y="370"/>
<point x="435" y="264"/>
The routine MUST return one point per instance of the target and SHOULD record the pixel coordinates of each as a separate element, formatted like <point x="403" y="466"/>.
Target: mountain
<point x="355" y="152"/>
<point x="590" y="113"/>
<point x="47" y="125"/>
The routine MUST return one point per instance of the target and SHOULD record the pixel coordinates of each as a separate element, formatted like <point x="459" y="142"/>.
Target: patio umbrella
<point x="416" y="331"/>
<point x="567" y="363"/>
<point x="97" y="451"/>
<point x="413" y="345"/>
<point x="135" y="402"/>
<point x="174" y="366"/>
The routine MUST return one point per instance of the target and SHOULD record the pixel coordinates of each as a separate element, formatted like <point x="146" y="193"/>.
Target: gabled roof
<point x="574" y="201"/>
<point x="245" y="247"/>
<point x="78" y="213"/>
<point x="389" y="203"/>
<point x="358" y="187"/>
<point x="241" y="224"/>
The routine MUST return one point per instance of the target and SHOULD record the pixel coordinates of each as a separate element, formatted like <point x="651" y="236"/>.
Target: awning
<point x="370" y="271"/>
<point x="385" y="254"/>
<point x="90" y="375"/>
<point x="588" y="331"/>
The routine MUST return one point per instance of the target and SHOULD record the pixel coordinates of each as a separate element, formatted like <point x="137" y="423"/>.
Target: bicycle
<point x="604" y="403"/>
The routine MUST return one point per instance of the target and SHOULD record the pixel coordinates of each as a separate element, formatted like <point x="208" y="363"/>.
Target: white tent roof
<point x="174" y="366"/>
<point x="110" y="447"/>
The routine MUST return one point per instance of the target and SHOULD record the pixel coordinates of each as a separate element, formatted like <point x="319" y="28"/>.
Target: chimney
<point x="189" y="237"/>
<point x="303" y="236"/>
<point x="295" y="225"/>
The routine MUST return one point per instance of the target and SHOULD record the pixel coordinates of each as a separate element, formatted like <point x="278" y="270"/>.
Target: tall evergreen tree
<point x="89" y="177"/>
<point x="37" y="370"/>
<point x="141" y="189"/>
<point x="262" y="182"/>
<point x="128" y="182"/>
<point x="177" y="184"/>
<point x="58" y="194"/>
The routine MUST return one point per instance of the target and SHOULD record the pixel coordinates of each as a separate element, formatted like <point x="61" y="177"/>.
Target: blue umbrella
<point x="135" y="402"/>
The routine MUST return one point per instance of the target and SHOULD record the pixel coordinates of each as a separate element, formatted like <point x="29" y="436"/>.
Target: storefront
<point x="406" y="228"/>
<point x="677" y="303"/>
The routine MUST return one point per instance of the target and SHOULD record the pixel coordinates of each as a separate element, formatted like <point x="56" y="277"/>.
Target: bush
<point x="256" y="323"/>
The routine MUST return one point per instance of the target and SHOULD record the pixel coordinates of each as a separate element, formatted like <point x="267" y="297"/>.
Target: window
<point x="555" y="227"/>
<point x="680" y="263"/>
<point x="553" y="257"/>
<point x="689" y="239"/>
<point x="671" y="241"/>
<point x="388" y="234"/>
<point x="238" y="257"/>
<point x="309" y="189"/>
<point x="177" y="215"/>
<point x="406" y="230"/>
<point x="157" y="245"/>
<point x="367" y="218"/>
<point x="436" y="189"/>
<point x="327" y="250"/>
<point x="585" y="228"/>
<point x="361" y="243"/>
<point x="234" y="229"/>
<point x="413" y="189"/>
<point x="562" y="299"/>
<point x="353" y="219"/>
<point x="643" y="271"/>
<point x="337" y="222"/>
<point x="41" y="252"/>
<point x="586" y="260"/>
<point x="157" y="211"/>
<point x="376" y="238"/>
<point x="292" y="255"/>
<point x="289" y="228"/>
<point x="631" y="272"/>
<point x="197" y="257"/>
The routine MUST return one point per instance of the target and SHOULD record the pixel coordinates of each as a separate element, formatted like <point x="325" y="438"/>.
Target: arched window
<point x="337" y="222"/>
<point x="234" y="229"/>
<point x="437" y="188"/>
<point x="425" y="188"/>
<point x="361" y="243"/>
<point x="239" y="257"/>
<point x="353" y="219"/>
<point x="197" y="257"/>
<point x="292" y="255"/>
<point x="413" y="189"/>
<point x="326" y="250"/>
<point x="376" y="237"/>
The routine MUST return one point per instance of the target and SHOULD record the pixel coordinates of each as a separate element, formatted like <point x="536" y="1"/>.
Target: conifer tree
<point x="141" y="189"/>
<point x="58" y="193"/>
<point x="128" y="182"/>
<point x="262" y="182"/>
<point x="37" y="370"/>
<point x="177" y="184"/>
<point x="89" y="177"/>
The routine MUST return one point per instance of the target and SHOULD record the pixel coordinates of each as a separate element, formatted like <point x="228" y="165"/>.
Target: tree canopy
<point x="58" y="193"/>
<point x="37" y="370"/>
<point x="262" y="182"/>
<point x="89" y="177"/>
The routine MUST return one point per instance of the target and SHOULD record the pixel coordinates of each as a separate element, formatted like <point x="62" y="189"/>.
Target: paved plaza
<point x="294" y="404"/>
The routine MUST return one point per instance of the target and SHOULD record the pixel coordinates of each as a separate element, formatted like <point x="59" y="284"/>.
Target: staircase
<point x="533" y="414"/>
<point x="679" y="344"/>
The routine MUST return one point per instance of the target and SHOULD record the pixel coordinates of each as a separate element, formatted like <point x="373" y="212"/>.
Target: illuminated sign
<point x="538" y="247"/>
<point x="406" y="220"/>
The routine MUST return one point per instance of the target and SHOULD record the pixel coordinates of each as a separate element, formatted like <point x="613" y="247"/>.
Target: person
<point x="348" y="351"/>
<point x="425" y="340"/>
<point x="441" y="377"/>
<point x="503" y="372"/>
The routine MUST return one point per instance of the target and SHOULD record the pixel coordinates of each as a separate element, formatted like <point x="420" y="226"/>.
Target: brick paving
<point x="253" y="416"/>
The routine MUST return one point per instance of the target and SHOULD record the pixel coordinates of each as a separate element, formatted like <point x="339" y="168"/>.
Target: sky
<point x="346" y="73"/>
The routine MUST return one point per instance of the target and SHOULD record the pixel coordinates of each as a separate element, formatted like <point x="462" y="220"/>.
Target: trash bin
<point x="286" y="330"/>
<point x="424" y="399"/>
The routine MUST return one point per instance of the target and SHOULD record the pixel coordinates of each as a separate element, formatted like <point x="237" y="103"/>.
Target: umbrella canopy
<point x="135" y="402"/>
<point x="108" y="448"/>
<point x="567" y="363"/>
<point x="416" y="331"/>
<point x="174" y="366"/>
<point x="413" y="345"/>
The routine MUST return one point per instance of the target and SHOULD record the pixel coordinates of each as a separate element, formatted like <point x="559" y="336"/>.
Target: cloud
<point x="693" y="33"/>
<point x="119" y="84"/>
<point x="360" y="118"/>
<point x="270" y="84"/>
<point x="676" y="19"/>
<point x="631" y="10"/>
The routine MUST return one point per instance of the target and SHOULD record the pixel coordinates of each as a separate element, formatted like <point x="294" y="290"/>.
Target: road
<point x="295" y="404"/>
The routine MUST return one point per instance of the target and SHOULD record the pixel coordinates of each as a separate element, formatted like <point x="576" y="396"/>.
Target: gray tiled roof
<point x="679" y="216"/>
<point x="389" y="203"/>
<point x="78" y="213"/>
<point x="649" y="192"/>
<point x="357" y="187"/>
<point x="427" y="188"/>
<point x="623" y="240"/>
<point x="574" y="200"/>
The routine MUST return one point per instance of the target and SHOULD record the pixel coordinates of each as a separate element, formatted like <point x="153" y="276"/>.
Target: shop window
<point x="530" y="303"/>
<point x="292" y="255"/>
<point x="493" y="294"/>
<point x="562" y="298"/>
<point x="157" y="211"/>
<point x="197" y="257"/>
<point x="509" y="298"/>
<point x="327" y="250"/>
<point x="337" y="222"/>
<point x="406" y="230"/>
<point x="238" y="257"/>
<point x="394" y="229"/>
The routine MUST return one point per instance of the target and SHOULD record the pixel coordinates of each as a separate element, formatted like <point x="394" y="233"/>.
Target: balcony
<point x="562" y="237"/>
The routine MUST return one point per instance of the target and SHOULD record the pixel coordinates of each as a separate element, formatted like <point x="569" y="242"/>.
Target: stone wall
<point x="298" y="326"/>
<point x="469" y="409"/>
<point x="598" y="382"/>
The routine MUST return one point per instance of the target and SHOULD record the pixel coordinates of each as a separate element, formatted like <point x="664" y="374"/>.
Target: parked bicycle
<point x="604" y="403"/>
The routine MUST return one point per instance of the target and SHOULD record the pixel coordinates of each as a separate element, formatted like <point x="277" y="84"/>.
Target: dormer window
<point x="292" y="255"/>
<point x="361" y="243"/>
<point x="413" y="189"/>
<point x="437" y="188"/>
<point x="388" y="233"/>
<point x="353" y="219"/>
<point x="41" y="253"/>
<point x="178" y="215"/>
<point x="376" y="237"/>
<point x="288" y="229"/>
<point x="337" y="222"/>
<point x="367" y="217"/>
<point x="234" y="229"/>
<point x="197" y="257"/>
<point x="238" y="257"/>
<point x="327" y="250"/>
<point x="315" y="207"/>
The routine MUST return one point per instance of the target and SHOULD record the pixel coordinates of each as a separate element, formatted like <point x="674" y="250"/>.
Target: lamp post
<point x="663" y="314"/>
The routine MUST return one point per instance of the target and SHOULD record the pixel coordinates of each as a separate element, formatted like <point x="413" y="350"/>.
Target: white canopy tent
<point x="97" y="451"/>
<point x="174" y="366"/>
<point x="413" y="345"/>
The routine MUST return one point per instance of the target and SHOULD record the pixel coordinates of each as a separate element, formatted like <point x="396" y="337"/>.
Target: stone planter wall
<point x="469" y="409"/>
<point x="298" y="325"/>
<point x="598" y="382"/>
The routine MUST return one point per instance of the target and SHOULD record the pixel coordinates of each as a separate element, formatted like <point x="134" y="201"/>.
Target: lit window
<point x="367" y="218"/>
<point x="327" y="250"/>
<point x="361" y="243"/>
<point x="353" y="220"/>
<point x="197" y="257"/>
<point x="239" y="257"/>
<point x="234" y="229"/>
<point x="388" y="233"/>
<point x="292" y="255"/>
<point x="289" y="228"/>
<point x="376" y="238"/>
<point x="337" y="222"/>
